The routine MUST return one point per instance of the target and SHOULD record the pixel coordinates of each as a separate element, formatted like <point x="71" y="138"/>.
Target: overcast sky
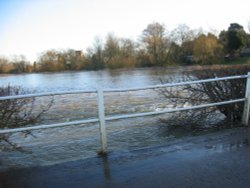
<point x="29" y="27"/>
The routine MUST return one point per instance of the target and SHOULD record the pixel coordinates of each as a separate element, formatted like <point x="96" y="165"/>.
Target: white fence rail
<point x="101" y="107"/>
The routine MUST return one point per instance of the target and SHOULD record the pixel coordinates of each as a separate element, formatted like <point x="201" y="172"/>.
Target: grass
<point x="237" y="61"/>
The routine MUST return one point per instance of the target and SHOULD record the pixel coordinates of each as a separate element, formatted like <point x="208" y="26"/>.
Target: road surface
<point x="220" y="159"/>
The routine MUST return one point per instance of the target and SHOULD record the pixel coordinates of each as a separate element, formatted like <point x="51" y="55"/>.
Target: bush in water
<point x="19" y="112"/>
<point x="210" y="92"/>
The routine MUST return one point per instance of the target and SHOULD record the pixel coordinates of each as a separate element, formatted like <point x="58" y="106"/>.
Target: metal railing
<point x="101" y="108"/>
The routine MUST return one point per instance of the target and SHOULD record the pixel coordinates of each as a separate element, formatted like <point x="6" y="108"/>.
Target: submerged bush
<point x="209" y="92"/>
<point x="16" y="113"/>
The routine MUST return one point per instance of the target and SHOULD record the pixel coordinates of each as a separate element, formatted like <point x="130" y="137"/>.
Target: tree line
<point x="156" y="46"/>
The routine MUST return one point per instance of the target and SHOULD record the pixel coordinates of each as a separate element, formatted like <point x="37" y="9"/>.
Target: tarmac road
<point x="219" y="159"/>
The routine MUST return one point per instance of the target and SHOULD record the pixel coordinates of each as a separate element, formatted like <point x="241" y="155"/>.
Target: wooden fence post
<point x="245" y="115"/>
<point x="102" y="127"/>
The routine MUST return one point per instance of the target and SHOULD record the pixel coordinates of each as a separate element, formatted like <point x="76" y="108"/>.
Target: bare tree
<point x="19" y="112"/>
<point x="95" y="55"/>
<point x="3" y="64"/>
<point x="248" y="26"/>
<point x="207" y="49"/>
<point x="182" y="34"/>
<point x="211" y="92"/>
<point x="155" y="39"/>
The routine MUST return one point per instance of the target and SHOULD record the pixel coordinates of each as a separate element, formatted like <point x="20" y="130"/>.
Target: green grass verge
<point x="238" y="61"/>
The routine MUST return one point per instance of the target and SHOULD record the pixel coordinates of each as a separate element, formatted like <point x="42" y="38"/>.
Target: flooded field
<point x="49" y="146"/>
<point x="55" y="145"/>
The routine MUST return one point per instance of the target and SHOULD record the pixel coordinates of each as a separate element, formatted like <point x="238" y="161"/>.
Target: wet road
<point x="219" y="159"/>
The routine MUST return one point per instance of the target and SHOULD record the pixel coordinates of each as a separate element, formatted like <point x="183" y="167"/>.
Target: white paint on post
<point x="245" y="115"/>
<point x="102" y="127"/>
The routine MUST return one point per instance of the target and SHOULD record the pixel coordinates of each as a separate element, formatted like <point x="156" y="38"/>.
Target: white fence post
<point x="102" y="128"/>
<point x="245" y="115"/>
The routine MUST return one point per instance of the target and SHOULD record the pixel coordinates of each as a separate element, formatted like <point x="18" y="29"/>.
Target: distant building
<point x="245" y="52"/>
<point x="189" y="59"/>
<point x="78" y="53"/>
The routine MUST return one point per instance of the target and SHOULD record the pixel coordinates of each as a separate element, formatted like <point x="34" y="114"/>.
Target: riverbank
<point x="223" y="63"/>
<point x="220" y="159"/>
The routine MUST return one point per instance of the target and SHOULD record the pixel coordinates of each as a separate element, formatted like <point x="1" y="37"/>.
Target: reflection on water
<point x="106" y="170"/>
<point x="233" y="146"/>
<point x="190" y="150"/>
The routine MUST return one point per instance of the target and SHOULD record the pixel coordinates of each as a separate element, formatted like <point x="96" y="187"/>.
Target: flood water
<point x="50" y="146"/>
<point x="47" y="82"/>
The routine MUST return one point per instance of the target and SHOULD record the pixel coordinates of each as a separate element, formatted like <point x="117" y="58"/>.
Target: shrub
<point x="210" y="92"/>
<point x="16" y="113"/>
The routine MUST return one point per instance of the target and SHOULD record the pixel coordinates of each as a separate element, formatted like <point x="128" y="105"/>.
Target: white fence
<point x="101" y="108"/>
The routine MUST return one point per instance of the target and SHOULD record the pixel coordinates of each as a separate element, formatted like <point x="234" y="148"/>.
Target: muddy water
<point x="50" y="146"/>
<point x="44" y="82"/>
